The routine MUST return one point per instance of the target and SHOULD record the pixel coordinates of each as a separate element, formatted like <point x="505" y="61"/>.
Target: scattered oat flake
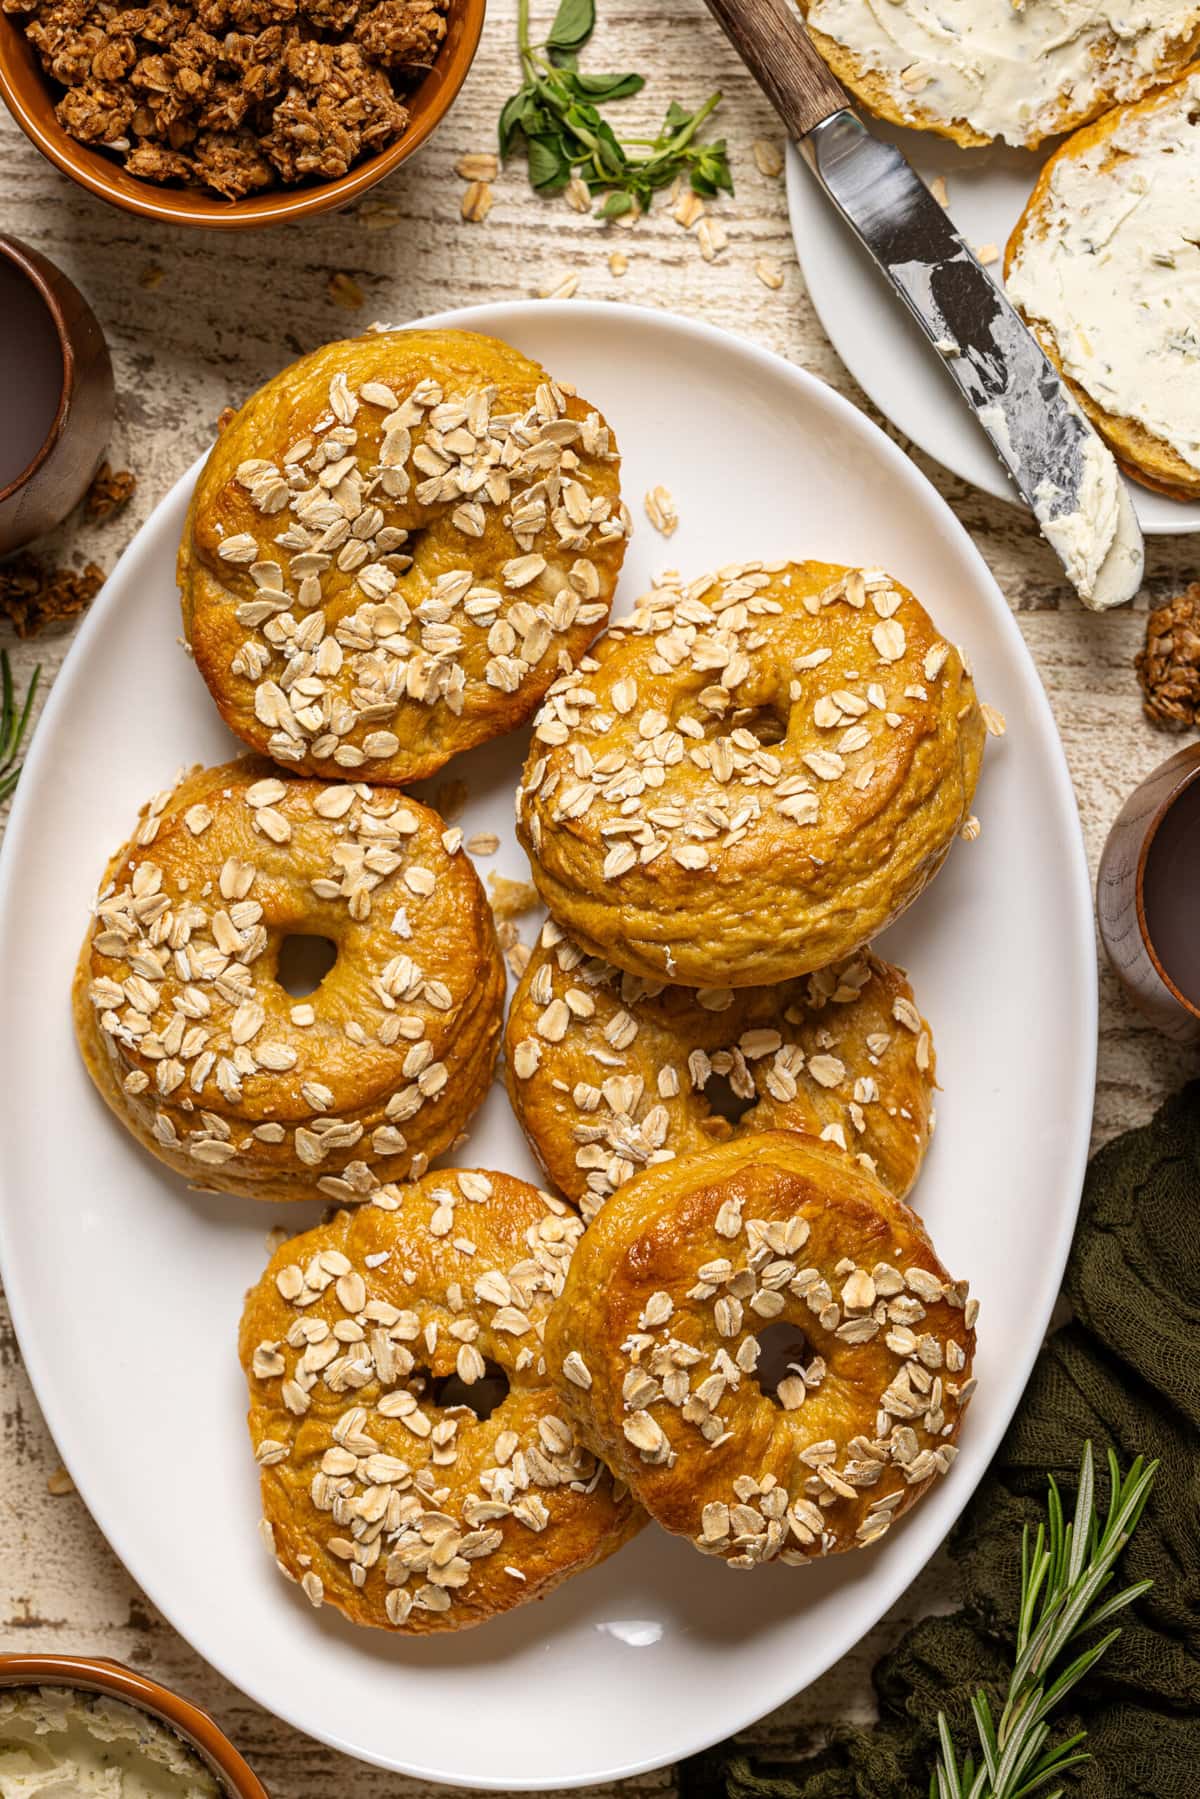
<point x="987" y="253"/>
<point x="769" y="272"/>
<point x="712" y="237"/>
<point x="660" y="510"/>
<point x="483" y="843"/>
<point x="562" y="286"/>
<point x="618" y="263"/>
<point x="994" y="720"/>
<point x="60" y="1483"/>
<point x="477" y="165"/>
<point x="939" y="190"/>
<point x="345" y="291"/>
<point x="476" y="202"/>
<point x="688" y="209"/>
<point x="971" y="829"/>
<point x="578" y="195"/>
<point x="768" y="158"/>
<point x="377" y="215"/>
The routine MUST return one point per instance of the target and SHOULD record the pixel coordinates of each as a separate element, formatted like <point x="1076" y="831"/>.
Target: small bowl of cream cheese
<point x="76" y="1728"/>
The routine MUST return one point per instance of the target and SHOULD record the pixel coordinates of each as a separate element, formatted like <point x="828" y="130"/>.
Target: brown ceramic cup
<point x="96" y="1675"/>
<point x="1120" y="898"/>
<point x="31" y="100"/>
<point x="57" y="478"/>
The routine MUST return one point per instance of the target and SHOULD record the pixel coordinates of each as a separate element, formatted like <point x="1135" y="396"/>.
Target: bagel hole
<point x="769" y="724"/>
<point x="453" y="1393"/>
<point x="725" y="1106"/>
<point x="303" y="963"/>
<point x="783" y="1351"/>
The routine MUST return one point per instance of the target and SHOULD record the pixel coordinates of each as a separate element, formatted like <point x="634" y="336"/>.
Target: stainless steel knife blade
<point x="1063" y="471"/>
<point x="1058" y="464"/>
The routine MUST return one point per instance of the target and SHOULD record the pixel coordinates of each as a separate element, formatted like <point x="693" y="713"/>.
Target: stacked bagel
<point x="725" y="1317"/>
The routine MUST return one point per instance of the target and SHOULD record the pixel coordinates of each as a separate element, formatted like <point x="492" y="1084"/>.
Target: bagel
<point x="751" y="776"/>
<point x="979" y="70"/>
<point x="211" y="1063"/>
<point x="609" y="1074"/>
<point x="385" y="1493"/>
<point x="394" y="548"/>
<point x="656" y="1345"/>
<point x="1095" y="266"/>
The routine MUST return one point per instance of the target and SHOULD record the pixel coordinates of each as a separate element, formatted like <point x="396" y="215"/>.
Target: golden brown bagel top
<point x="609" y="1074"/>
<point x="656" y="1342"/>
<point x="195" y="1043"/>
<point x="393" y="549"/>
<point x="364" y="1344"/>
<point x="752" y="775"/>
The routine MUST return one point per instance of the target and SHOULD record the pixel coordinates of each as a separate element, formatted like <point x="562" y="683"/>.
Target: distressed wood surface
<point x="196" y="320"/>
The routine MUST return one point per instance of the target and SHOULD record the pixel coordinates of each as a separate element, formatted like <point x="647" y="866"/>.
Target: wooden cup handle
<point x="771" y="40"/>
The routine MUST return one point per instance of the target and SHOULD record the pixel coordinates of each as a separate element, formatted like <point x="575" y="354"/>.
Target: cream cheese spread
<point x="1010" y="70"/>
<point x="1111" y="268"/>
<point x="63" y="1743"/>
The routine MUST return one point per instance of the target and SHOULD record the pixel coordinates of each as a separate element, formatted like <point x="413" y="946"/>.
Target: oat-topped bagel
<point x="609" y="1073"/>
<point x="1097" y="265"/>
<point x="762" y="1342"/>
<point x="976" y="70"/>
<point x="418" y="1471"/>
<point x="395" y="547"/>
<point x="752" y="775"/>
<point x="204" y="1055"/>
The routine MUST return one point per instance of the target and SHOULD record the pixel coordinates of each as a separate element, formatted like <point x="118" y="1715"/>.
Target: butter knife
<point x="1058" y="464"/>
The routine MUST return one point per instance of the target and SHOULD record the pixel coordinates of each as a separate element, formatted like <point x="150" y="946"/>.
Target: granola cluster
<point x="234" y="95"/>
<point x="1168" y="669"/>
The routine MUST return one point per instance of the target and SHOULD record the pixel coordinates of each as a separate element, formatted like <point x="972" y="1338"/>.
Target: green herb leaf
<point x="573" y="25"/>
<point x="556" y="114"/>
<point x="14" y="722"/>
<point x="1065" y="1570"/>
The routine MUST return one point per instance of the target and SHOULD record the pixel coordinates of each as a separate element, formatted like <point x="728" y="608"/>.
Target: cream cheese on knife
<point x="1009" y="70"/>
<point x="63" y="1743"/>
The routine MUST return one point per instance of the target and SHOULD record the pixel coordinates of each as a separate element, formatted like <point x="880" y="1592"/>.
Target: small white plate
<point x="881" y="346"/>
<point x="126" y="1287"/>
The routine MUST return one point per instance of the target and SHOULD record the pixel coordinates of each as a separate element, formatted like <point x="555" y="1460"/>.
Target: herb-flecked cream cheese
<point x="63" y="1743"/>
<point x="1111" y="268"/>
<point x="1008" y="70"/>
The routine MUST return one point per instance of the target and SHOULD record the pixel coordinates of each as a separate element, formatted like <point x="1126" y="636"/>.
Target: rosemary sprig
<point x="1065" y="1570"/>
<point x="556" y="114"/>
<point x="14" y="721"/>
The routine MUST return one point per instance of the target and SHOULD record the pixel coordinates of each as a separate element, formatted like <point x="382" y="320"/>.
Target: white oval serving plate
<point x="126" y="1287"/>
<point x="879" y="343"/>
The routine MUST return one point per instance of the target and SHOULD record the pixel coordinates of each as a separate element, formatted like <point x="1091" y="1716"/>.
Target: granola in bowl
<point x="234" y="96"/>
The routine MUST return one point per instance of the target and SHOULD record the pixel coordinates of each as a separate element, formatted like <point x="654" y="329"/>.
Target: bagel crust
<point x="980" y="70"/>
<point x="217" y="1069"/>
<point x="394" y="548"/>
<point x="1096" y="266"/>
<point x="384" y="1494"/>
<point x="609" y="1074"/>
<point x="655" y="1343"/>
<point x="751" y="776"/>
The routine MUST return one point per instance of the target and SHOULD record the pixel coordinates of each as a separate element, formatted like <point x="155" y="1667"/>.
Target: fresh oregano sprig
<point x="14" y="721"/>
<point x="556" y="115"/>
<point x="1065" y="1572"/>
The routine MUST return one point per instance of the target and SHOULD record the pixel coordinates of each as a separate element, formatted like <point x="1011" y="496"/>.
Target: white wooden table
<point x="195" y="321"/>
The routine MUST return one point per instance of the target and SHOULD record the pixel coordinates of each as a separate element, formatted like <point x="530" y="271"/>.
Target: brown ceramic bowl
<point x="30" y="100"/>
<point x="1120" y="898"/>
<point x="95" y="1675"/>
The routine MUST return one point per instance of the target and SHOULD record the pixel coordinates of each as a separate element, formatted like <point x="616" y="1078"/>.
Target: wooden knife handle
<point x="771" y="40"/>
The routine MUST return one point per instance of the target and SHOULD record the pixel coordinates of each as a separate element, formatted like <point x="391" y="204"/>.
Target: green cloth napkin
<point x="1125" y="1371"/>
